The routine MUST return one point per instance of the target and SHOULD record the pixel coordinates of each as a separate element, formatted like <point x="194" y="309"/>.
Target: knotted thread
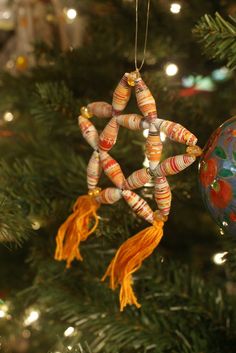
<point x="129" y="258"/>
<point x="76" y="228"/>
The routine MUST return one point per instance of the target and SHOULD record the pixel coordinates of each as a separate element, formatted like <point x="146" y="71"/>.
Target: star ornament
<point x="76" y="228"/>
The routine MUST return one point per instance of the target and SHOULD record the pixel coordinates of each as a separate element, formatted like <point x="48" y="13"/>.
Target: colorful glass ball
<point x="217" y="176"/>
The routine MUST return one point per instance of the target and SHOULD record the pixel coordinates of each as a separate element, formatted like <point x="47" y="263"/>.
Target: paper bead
<point x="139" y="206"/>
<point x="109" y="135"/>
<point x="162" y="195"/>
<point x="112" y="170"/>
<point x="153" y="147"/>
<point x="138" y="179"/>
<point x="130" y="121"/>
<point x="174" y="165"/>
<point x="109" y="196"/>
<point x="100" y="109"/>
<point x="176" y="132"/>
<point x="94" y="170"/>
<point x="146" y="102"/>
<point x="89" y="132"/>
<point x="121" y="95"/>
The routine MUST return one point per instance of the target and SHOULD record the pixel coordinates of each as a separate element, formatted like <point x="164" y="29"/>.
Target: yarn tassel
<point x="129" y="258"/>
<point x="76" y="228"/>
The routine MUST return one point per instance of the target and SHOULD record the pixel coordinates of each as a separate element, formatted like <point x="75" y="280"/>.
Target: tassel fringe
<point x="76" y="228"/>
<point x="129" y="258"/>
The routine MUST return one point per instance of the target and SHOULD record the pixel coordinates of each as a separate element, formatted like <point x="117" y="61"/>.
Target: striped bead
<point x="146" y="102"/>
<point x="138" y="205"/>
<point x="112" y="170"/>
<point x="174" y="165"/>
<point x="130" y="121"/>
<point x="94" y="170"/>
<point x="162" y="195"/>
<point x="153" y="147"/>
<point x="100" y="109"/>
<point x="138" y="179"/>
<point x="109" y="196"/>
<point x="89" y="131"/>
<point x="176" y="132"/>
<point x="121" y="95"/>
<point x="109" y="135"/>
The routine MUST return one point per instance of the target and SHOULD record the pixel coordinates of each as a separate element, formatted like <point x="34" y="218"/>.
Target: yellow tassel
<point x="129" y="258"/>
<point x="76" y="228"/>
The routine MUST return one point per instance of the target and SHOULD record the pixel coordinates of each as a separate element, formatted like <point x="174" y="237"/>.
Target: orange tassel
<point x="76" y="228"/>
<point x="129" y="258"/>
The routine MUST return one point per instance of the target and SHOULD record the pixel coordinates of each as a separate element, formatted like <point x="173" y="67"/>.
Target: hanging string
<point x="136" y="35"/>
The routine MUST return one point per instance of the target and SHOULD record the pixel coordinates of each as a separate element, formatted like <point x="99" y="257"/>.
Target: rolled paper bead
<point x="100" y="109"/>
<point x="145" y="100"/>
<point x="138" y="179"/>
<point x="153" y="147"/>
<point x="112" y="169"/>
<point x="109" y="135"/>
<point x="121" y="95"/>
<point x="138" y="205"/>
<point x="109" y="196"/>
<point x="174" y="165"/>
<point x="89" y="131"/>
<point x="94" y="170"/>
<point x="130" y="121"/>
<point x="162" y="195"/>
<point x="176" y="132"/>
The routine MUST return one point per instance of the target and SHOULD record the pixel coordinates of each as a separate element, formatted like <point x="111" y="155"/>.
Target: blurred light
<point x="8" y="116"/>
<point x="35" y="225"/>
<point x="218" y="258"/>
<point x="162" y="136"/>
<point x="33" y="316"/>
<point x="3" y="310"/>
<point x="146" y="162"/>
<point x="222" y="231"/>
<point x="188" y="81"/>
<point x="145" y="133"/>
<point x="69" y="331"/>
<point x="204" y="83"/>
<point x="225" y="224"/>
<point x="71" y="14"/>
<point x="175" y="8"/>
<point x="171" y="69"/>
<point x="69" y="347"/>
<point x="10" y="64"/>
<point x="221" y="74"/>
<point x="26" y="333"/>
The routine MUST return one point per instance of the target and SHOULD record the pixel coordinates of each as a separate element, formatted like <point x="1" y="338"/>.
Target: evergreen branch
<point x="180" y="313"/>
<point x="218" y="37"/>
<point x="11" y="229"/>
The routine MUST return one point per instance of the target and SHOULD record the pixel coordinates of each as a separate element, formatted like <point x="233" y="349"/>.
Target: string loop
<point x="136" y="35"/>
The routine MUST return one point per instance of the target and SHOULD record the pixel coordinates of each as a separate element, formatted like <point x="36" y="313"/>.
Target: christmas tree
<point x="188" y="301"/>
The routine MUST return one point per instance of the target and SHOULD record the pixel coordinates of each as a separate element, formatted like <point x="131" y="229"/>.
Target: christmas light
<point x="35" y="225"/>
<point x="8" y="116"/>
<point x="218" y="258"/>
<point x="221" y="231"/>
<point x="69" y="331"/>
<point x="145" y="133"/>
<point x="71" y="14"/>
<point x="175" y="8"/>
<point x="171" y="69"/>
<point x="3" y="310"/>
<point x="32" y="317"/>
